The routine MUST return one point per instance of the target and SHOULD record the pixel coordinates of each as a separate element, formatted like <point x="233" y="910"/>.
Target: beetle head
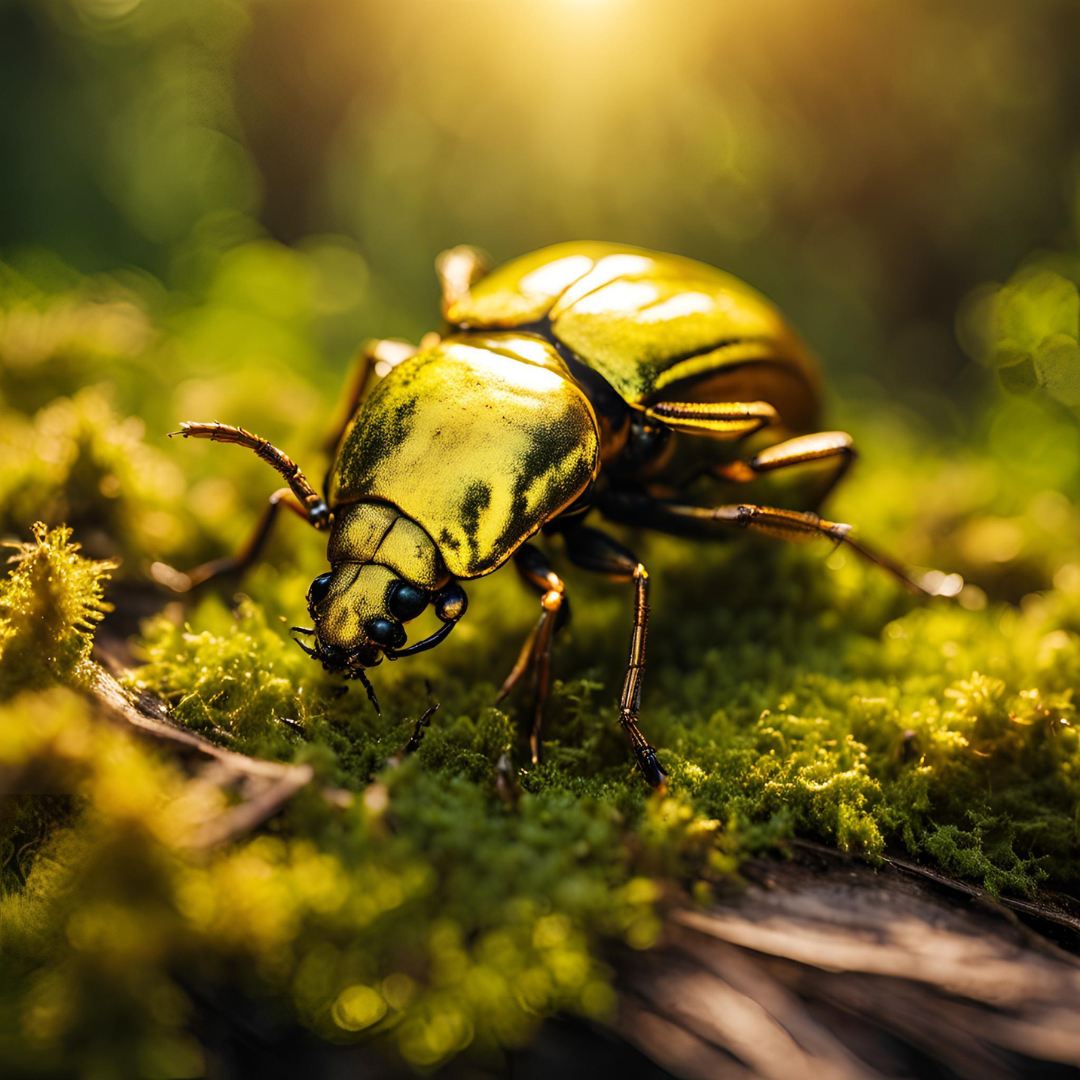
<point x="358" y="610"/>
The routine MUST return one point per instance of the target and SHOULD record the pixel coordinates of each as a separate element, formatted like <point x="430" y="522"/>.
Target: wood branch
<point x="147" y="715"/>
<point x="246" y="817"/>
<point x="823" y="967"/>
<point x="264" y="786"/>
<point x="1056" y="908"/>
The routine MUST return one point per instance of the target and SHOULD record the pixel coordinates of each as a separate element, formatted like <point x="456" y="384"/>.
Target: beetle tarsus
<point x="412" y="744"/>
<point x="651" y="769"/>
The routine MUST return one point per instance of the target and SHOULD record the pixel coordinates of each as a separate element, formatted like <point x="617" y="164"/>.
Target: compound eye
<point x="451" y="602"/>
<point x="386" y="632"/>
<point x="318" y="590"/>
<point x="407" y="601"/>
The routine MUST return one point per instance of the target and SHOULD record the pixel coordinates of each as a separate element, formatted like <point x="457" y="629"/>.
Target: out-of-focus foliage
<point x="206" y="206"/>
<point x="865" y="163"/>
<point x="1027" y="328"/>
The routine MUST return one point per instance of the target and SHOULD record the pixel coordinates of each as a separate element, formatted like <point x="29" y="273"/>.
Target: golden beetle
<point x="586" y="376"/>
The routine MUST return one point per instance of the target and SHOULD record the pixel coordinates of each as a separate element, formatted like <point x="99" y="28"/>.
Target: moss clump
<point x="50" y="603"/>
<point x="811" y="703"/>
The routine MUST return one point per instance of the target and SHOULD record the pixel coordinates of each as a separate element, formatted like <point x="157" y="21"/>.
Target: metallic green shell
<point x="480" y="440"/>
<point x="657" y="327"/>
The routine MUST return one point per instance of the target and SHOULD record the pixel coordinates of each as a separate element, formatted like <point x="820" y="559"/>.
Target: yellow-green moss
<point x="50" y="603"/>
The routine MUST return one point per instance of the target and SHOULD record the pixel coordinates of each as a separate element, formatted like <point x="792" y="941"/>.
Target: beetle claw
<point x="651" y="769"/>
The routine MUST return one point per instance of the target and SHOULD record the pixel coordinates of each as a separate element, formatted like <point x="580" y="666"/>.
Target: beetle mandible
<point x="585" y="377"/>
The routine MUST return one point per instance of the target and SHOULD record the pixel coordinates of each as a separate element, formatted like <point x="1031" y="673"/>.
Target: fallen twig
<point x="265" y="786"/>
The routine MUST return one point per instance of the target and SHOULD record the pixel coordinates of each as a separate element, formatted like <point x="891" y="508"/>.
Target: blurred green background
<point x="865" y="164"/>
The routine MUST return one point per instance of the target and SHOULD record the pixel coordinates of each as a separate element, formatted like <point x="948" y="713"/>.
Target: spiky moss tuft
<point x="50" y="603"/>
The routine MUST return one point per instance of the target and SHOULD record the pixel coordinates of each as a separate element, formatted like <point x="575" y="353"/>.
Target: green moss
<point x="802" y="706"/>
<point x="50" y="603"/>
<point x="790" y="693"/>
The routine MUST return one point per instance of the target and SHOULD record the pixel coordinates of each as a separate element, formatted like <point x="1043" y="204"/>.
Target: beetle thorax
<point x="373" y="532"/>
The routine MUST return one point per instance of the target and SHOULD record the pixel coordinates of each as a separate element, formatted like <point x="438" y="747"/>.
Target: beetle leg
<point x="832" y="446"/>
<point x="681" y="519"/>
<point x="521" y="665"/>
<point x="459" y="269"/>
<point x="536" y="652"/>
<point x="630" y="702"/>
<point x="595" y="550"/>
<point x="552" y="602"/>
<point x="315" y="508"/>
<point x="717" y="420"/>
<point x="178" y="581"/>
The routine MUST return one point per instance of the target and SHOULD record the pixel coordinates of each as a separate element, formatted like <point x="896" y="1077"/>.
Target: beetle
<point x="583" y="378"/>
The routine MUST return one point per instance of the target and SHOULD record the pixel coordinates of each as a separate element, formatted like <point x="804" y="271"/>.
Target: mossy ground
<point x="791" y="693"/>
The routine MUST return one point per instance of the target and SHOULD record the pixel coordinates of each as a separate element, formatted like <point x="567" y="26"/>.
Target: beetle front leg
<point x="536" y="652"/>
<point x="179" y="581"/>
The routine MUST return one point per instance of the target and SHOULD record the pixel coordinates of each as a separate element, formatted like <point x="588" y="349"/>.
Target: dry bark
<point x="263" y="787"/>
<point x="824" y="967"/>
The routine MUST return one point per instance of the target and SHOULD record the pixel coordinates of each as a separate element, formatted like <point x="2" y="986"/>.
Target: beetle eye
<point x="319" y="588"/>
<point x="407" y="601"/>
<point x="386" y="632"/>
<point x="450" y="602"/>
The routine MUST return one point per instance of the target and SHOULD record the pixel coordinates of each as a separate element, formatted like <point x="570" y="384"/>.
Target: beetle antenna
<point x="366" y="682"/>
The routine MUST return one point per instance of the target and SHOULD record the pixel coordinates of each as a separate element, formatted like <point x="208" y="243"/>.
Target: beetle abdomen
<point x="479" y="441"/>
<point x="655" y="326"/>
